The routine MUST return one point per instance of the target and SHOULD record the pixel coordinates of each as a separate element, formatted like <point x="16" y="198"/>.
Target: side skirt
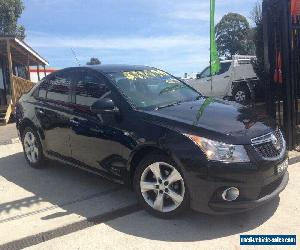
<point x="55" y="157"/>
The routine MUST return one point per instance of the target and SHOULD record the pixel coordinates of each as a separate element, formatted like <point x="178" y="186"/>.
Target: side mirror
<point x="198" y="76"/>
<point x="105" y="105"/>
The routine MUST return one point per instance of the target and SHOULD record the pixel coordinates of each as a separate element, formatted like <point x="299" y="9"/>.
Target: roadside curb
<point x="294" y="157"/>
<point x="294" y="160"/>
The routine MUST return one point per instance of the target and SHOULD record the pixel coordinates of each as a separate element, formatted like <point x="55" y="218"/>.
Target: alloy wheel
<point x="240" y="96"/>
<point x="162" y="187"/>
<point x="30" y="147"/>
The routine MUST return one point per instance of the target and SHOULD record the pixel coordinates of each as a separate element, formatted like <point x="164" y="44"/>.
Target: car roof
<point x="110" y="68"/>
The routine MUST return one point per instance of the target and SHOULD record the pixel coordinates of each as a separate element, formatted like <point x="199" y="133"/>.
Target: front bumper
<point x="258" y="184"/>
<point x="229" y="207"/>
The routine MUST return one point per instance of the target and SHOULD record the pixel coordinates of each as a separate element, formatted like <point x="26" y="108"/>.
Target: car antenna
<point x="74" y="54"/>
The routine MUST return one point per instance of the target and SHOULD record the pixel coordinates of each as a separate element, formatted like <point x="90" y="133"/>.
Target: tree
<point x="94" y="61"/>
<point x="10" y="12"/>
<point x="258" y="64"/>
<point x="233" y="35"/>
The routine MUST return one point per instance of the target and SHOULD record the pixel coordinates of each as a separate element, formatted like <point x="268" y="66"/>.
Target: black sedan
<point x="142" y="127"/>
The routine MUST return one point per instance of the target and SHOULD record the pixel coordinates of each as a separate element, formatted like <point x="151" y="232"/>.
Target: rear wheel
<point x="241" y="94"/>
<point x="32" y="148"/>
<point x="160" y="186"/>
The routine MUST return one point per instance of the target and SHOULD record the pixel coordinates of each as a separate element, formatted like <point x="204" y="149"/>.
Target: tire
<point x="241" y="94"/>
<point x="32" y="147"/>
<point x="159" y="197"/>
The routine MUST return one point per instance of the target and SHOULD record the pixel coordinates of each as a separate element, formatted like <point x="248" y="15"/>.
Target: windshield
<point x="152" y="88"/>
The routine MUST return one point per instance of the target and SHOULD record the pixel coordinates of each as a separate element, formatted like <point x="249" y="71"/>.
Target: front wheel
<point x="160" y="186"/>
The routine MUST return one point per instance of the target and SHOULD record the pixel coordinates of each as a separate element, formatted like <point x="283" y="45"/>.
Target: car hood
<point x="215" y="119"/>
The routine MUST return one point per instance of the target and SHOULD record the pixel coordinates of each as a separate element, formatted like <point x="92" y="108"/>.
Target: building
<point x="281" y="28"/>
<point x="38" y="74"/>
<point x="16" y="58"/>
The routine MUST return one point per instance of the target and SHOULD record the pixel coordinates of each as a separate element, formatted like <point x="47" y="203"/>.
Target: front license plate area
<point x="281" y="167"/>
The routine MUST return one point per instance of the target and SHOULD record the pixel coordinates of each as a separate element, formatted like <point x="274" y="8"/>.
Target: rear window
<point x="224" y="68"/>
<point x="244" y="61"/>
<point x="42" y="89"/>
<point x="56" y="88"/>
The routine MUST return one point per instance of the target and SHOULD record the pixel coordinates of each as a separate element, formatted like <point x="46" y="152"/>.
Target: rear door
<point x="97" y="141"/>
<point x="53" y="111"/>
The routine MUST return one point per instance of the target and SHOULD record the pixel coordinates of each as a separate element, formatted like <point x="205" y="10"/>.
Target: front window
<point x="152" y="88"/>
<point x="205" y="73"/>
<point x="89" y="89"/>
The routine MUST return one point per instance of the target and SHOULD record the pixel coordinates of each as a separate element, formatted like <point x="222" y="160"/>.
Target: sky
<point x="169" y="34"/>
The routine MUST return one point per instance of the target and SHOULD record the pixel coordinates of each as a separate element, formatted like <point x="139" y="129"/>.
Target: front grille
<point x="270" y="146"/>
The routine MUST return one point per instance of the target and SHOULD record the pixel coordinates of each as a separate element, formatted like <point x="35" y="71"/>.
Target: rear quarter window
<point x="224" y="68"/>
<point x="56" y="88"/>
<point x="42" y="89"/>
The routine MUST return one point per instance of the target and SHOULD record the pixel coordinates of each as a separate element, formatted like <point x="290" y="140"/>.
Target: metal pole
<point x="267" y="67"/>
<point x="44" y="70"/>
<point x="38" y="72"/>
<point x="288" y="107"/>
<point x="211" y="77"/>
<point x="10" y="69"/>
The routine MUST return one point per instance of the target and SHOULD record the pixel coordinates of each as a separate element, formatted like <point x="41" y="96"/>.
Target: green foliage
<point x="94" y="61"/>
<point x="233" y="34"/>
<point x="256" y="16"/>
<point x="10" y="12"/>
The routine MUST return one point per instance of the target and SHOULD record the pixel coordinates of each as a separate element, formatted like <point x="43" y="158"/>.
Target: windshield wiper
<point x="198" y="97"/>
<point x="171" y="88"/>
<point x="168" y="105"/>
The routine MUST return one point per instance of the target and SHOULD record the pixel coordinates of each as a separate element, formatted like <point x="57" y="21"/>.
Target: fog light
<point x="230" y="194"/>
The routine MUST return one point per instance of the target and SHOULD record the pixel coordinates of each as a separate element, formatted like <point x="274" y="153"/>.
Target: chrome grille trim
<point x="262" y="139"/>
<point x="265" y="147"/>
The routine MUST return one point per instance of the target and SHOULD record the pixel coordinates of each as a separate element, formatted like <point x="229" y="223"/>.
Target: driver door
<point x="203" y="82"/>
<point x="220" y="81"/>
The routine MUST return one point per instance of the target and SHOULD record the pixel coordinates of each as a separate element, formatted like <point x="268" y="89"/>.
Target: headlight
<point x="219" y="151"/>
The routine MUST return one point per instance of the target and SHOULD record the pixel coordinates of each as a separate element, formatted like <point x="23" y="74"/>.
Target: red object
<point x="42" y="70"/>
<point x="278" y="68"/>
<point x="295" y="7"/>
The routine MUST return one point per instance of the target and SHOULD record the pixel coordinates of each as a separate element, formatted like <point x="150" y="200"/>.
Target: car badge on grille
<point x="275" y="142"/>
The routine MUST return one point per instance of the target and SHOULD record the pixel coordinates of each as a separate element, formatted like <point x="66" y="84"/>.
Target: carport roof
<point x="21" y="51"/>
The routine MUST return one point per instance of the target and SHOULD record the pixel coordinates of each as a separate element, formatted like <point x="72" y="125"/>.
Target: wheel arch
<point x="24" y="124"/>
<point x="137" y="156"/>
<point x="28" y="123"/>
<point x="237" y="84"/>
<point x="242" y="84"/>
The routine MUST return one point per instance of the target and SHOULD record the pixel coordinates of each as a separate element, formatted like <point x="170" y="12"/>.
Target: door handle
<point x="74" y="122"/>
<point x="226" y="76"/>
